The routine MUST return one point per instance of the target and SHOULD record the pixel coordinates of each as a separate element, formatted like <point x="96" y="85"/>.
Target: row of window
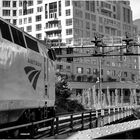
<point x="29" y="3"/>
<point x="29" y="28"/>
<point x="8" y="13"/>
<point x="9" y="32"/>
<point x="80" y="70"/>
<point x="14" y="21"/>
<point x="8" y="3"/>
<point x="21" y="2"/>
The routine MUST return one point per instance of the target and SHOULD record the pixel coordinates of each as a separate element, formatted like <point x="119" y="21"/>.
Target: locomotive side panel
<point x="17" y="83"/>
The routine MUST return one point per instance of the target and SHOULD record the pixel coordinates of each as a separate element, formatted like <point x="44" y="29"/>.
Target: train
<point x="27" y="77"/>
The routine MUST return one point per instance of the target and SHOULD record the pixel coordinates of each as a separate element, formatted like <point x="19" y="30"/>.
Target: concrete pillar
<point x="94" y="96"/>
<point x="113" y="98"/>
<point x="131" y="97"/>
<point x="83" y="97"/>
<point x="116" y="97"/>
<point x="108" y="96"/>
<point x="122" y="97"/>
<point x="135" y="96"/>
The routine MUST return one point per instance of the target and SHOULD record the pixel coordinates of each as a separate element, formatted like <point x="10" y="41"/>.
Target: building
<point x="76" y="23"/>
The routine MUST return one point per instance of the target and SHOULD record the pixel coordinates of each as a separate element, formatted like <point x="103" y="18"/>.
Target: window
<point x="87" y="25"/>
<point x="20" y="3"/>
<point x="38" y="18"/>
<point x="18" y="37"/>
<point x="68" y="22"/>
<point x="78" y="13"/>
<point x="87" y="16"/>
<point x="87" y="5"/>
<point x="67" y="2"/>
<point x="25" y="20"/>
<point x="59" y="67"/>
<point x="125" y="74"/>
<point x="30" y="11"/>
<point x="95" y="71"/>
<point x="53" y="10"/>
<point x="69" y="50"/>
<point x="39" y="9"/>
<point x="59" y="8"/>
<point x="92" y="6"/>
<point x="79" y="70"/>
<point x="101" y="28"/>
<point x="93" y="17"/>
<point x="6" y="3"/>
<point x="31" y="44"/>
<point x="69" y="40"/>
<point x="39" y="1"/>
<point x="14" y="4"/>
<point x="39" y="36"/>
<point x="20" y="21"/>
<point x="29" y="28"/>
<point x="68" y="31"/>
<point x="14" y="12"/>
<point x="68" y="67"/>
<point x="6" y="12"/>
<point x="30" y="3"/>
<point x="38" y="27"/>
<point x="88" y="70"/>
<point x="93" y="27"/>
<point x="68" y="12"/>
<point x="46" y="11"/>
<point x="5" y="31"/>
<point x="29" y="19"/>
<point x="14" y="21"/>
<point x="20" y="12"/>
<point x="22" y="28"/>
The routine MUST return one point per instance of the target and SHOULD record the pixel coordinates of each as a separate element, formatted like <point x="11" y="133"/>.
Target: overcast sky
<point x="135" y="6"/>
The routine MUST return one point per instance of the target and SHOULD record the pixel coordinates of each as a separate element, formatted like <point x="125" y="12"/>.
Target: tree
<point x="63" y="102"/>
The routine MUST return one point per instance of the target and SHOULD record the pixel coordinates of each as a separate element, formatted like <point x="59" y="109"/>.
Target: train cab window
<point x="31" y="44"/>
<point x="5" y="32"/>
<point x="18" y="37"/>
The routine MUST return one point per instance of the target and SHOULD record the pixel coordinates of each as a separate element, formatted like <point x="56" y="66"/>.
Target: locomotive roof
<point x="17" y="28"/>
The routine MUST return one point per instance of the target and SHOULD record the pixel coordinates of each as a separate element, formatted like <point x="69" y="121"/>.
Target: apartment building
<point x="76" y="23"/>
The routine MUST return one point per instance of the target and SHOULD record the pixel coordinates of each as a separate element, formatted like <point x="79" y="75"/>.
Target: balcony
<point x="52" y="20"/>
<point x="53" y="28"/>
<point x="54" y="37"/>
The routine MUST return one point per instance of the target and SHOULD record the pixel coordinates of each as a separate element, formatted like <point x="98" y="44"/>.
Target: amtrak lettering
<point x="34" y="62"/>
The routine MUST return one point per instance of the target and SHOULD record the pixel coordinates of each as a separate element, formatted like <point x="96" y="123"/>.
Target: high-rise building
<point x="76" y="23"/>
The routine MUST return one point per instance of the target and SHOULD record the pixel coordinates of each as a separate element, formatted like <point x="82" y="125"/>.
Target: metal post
<point x="100" y="86"/>
<point x="82" y="121"/>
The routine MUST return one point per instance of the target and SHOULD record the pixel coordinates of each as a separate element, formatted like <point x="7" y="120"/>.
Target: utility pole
<point x="97" y="43"/>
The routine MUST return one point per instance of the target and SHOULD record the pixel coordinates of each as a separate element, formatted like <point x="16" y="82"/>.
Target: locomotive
<point x="27" y="76"/>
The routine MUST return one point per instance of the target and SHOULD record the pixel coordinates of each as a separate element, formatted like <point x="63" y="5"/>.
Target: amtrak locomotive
<point x="27" y="77"/>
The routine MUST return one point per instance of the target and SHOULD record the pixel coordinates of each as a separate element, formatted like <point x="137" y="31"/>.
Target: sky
<point x="135" y="6"/>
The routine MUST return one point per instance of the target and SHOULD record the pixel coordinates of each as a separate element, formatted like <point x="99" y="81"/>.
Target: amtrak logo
<point x="33" y="75"/>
